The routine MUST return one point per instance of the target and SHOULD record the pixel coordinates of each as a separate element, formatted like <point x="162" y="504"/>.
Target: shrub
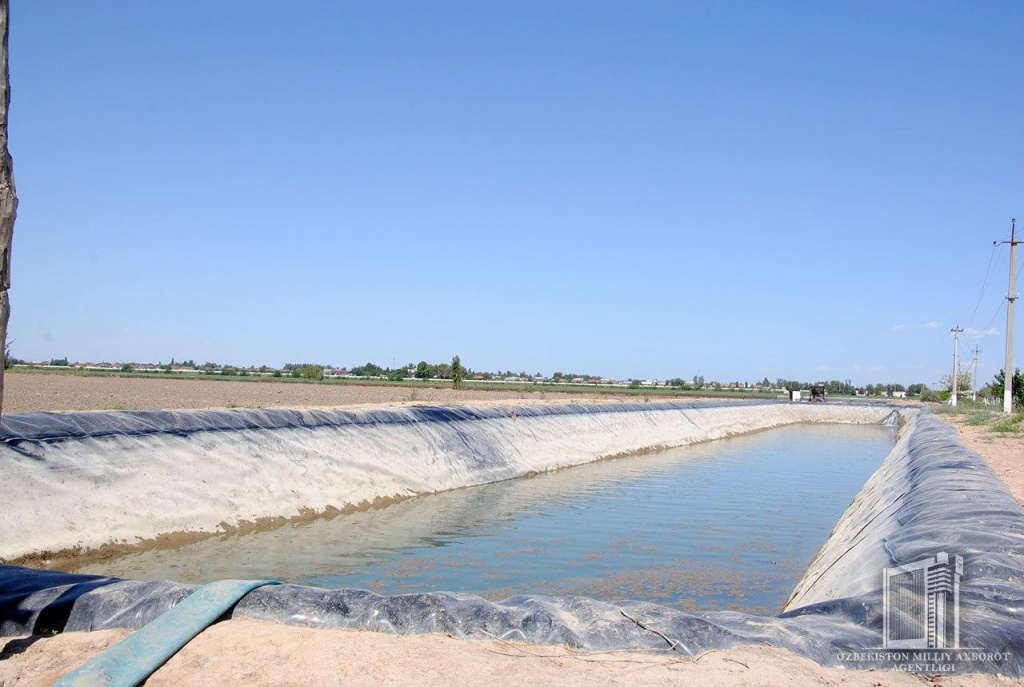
<point x="313" y="372"/>
<point x="1012" y="424"/>
<point x="978" y="418"/>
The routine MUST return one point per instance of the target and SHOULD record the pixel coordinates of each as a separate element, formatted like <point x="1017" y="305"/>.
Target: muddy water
<point x="730" y="524"/>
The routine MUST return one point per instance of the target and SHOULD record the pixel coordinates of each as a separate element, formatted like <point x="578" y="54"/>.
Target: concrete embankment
<point x="88" y="480"/>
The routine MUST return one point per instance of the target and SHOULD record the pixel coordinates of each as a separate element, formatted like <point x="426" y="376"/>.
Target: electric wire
<point x="984" y="282"/>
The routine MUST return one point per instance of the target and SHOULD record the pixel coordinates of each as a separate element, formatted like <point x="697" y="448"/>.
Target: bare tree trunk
<point x="8" y="196"/>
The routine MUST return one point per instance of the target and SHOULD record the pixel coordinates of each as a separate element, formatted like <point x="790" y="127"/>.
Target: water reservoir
<point x="728" y="524"/>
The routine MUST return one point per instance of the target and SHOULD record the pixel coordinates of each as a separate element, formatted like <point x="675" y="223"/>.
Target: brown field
<point x="31" y="391"/>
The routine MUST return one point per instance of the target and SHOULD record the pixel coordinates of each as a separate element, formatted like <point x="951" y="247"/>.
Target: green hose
<point x="139" y="655"/>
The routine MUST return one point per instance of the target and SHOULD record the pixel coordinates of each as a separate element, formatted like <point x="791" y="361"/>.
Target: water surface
<point x="730" y="524"/>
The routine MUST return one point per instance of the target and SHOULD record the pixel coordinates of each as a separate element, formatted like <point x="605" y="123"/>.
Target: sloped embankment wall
<point x="87" y="480"/>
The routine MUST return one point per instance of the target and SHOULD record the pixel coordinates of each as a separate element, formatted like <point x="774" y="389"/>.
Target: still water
<point x="730" y="524"/>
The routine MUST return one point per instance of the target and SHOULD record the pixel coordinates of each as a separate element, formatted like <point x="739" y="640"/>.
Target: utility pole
<point x="1011" y="296"/>
<point x="974" y="378"/>
<point x="956" y="362"/>
<point x="8" y="195"/>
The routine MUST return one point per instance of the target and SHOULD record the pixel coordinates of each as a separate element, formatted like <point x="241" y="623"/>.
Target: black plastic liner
<point x="930" y="495"/>
<point x="56" y="427"/>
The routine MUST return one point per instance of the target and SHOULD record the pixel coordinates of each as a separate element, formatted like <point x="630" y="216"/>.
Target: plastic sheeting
<point x="930" y="494"/>
<point x="141" y="475"/>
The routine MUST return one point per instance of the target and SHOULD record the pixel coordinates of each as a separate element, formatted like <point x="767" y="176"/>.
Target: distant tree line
<point x="457" y="373"/>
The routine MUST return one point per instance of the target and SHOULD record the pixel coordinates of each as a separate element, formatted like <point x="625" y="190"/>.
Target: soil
<point x="1003" y="452"/>
<point x="32" y="392"/>
<point x="245" y="652"/>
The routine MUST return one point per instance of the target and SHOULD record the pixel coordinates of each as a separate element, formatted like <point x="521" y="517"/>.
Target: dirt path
<point x="251" y="653"/>
<point x="1003" y="452"/>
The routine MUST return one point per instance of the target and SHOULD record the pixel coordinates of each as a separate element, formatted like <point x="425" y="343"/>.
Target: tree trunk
<point x="8" y="196"/>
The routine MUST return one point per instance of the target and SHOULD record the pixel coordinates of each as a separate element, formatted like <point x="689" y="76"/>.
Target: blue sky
<point x="635" y="189"/>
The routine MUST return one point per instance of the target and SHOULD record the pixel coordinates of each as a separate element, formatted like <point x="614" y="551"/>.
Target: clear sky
<point x="634" y="189"/>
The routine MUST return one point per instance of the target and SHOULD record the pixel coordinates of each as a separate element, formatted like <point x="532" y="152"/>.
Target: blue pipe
<point x="139" y="655"/>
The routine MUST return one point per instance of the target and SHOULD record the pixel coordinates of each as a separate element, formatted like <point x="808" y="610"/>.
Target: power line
<point x="985" y="281"/>
<point x="998" y="311"/>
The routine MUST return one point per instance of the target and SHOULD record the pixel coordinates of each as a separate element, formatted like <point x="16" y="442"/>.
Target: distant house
<point x="899" y="394"/>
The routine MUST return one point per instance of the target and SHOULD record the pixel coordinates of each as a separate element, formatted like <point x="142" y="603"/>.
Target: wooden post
<point x="8" y="195"/>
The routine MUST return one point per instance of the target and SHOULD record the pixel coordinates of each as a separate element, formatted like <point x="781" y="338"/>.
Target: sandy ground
<point x="252" y="653"/>
<point x="30" y="392"/>
<point x="1003" y="452"/>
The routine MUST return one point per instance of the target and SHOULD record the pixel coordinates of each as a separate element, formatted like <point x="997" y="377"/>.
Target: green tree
<point x="127" y="367"/>
<point x="423" y="370"/>
<point x="964" y="382"/>
<point x="458" y="372"/>
<point x="313" y="372"/>
<point x="368" y="370"/>
<point x="998" y="387"/>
